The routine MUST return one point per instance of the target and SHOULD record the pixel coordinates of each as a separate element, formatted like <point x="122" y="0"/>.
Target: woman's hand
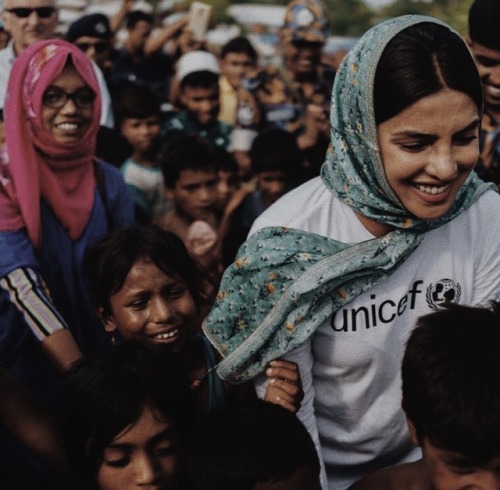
<point x="285" y="386"/>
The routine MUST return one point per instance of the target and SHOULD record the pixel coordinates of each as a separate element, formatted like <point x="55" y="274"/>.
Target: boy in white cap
<point x="198" y="81"/>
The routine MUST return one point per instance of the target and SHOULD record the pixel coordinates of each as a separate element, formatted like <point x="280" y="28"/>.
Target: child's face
<point x="202" y="103"/>
<point x="152" y="305"/>
<point x="301" y="478"/>
<point x="142" y="134"/>
<point x="144" y="455"/>
<point x="195" y="194"/>
<point x="447" y="470"/>
<point x="273" y="185"/>
<point x="235" y="66"/>
<point x="227" y="185"/>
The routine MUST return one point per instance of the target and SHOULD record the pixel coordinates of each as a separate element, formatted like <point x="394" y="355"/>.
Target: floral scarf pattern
<point x="285" y="282"/>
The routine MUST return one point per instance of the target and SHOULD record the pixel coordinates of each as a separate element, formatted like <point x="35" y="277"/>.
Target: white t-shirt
<point x="350" y="368"/>
<point x="7" y="57"/>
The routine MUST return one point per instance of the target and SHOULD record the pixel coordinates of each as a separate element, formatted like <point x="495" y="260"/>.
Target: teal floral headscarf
<point x="284" y="282"/>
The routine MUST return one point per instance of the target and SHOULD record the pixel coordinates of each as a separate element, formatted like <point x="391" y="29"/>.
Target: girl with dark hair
<point x="125" y="412"/>
<point x="339" y="269"/>
<point x="145" y="285"/>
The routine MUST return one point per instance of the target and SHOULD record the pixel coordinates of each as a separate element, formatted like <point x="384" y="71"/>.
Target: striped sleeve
<point x="28" y="292"/>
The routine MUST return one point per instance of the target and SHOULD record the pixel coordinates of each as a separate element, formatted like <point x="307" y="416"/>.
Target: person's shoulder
<point x="408" y="476"/>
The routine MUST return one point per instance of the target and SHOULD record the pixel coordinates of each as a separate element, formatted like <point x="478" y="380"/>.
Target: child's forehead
<point x="199" y="91"/>
<point x="198" y="174"/>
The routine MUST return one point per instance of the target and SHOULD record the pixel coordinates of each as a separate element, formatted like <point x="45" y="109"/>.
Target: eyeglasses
<point x="99" y="47"/>
<point x="24" y="12"/>
<point x="55" y="98"/>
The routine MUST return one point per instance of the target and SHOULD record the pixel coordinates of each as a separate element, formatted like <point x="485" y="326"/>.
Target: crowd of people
<point x="185" y="232"/>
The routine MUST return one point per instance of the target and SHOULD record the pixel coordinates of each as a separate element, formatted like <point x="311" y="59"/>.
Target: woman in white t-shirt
<point x="337" y="271"/>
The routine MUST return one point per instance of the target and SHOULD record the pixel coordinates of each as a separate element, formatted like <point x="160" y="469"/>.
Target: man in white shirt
<point x="28" y="22"/>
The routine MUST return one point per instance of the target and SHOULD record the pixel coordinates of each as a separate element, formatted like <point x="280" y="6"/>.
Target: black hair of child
<point x="451" y="390"/>
<point x="200" y="79"/>
<point x="137" y="102"/>
<point x="225" y="160"/>
<point x="241" y="445"/>
<point x="109" y="261"/>
<point x="276" y="149"/>
<point x="484" y="19"/>
<point x="186" y="152"/>
<point x="136" y="16"/>
<point x="239" y="45"/>
<point x="107" y="390"/>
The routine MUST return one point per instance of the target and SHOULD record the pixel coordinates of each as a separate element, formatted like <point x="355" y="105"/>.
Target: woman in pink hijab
<point x="56" y="200"/>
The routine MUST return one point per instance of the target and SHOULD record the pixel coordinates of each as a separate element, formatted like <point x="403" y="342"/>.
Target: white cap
<point x="242" y="139"/>
<point x="196" y="61"/>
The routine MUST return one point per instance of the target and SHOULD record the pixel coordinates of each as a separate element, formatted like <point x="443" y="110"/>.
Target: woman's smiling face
<point x="429" y="149"/>
<point x="152" y="305"/>
<point x="69" y="122"/>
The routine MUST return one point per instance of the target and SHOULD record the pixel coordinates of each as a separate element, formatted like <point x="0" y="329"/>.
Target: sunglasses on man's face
<point x="99" y="47"/>
<point x="24" y="12"/>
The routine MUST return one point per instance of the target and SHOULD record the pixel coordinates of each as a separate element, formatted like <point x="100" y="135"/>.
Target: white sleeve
<point x="302" y="356"/>
<point x="106" y="109"/>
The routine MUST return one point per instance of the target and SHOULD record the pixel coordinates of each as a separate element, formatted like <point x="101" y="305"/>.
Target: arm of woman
<point x="29" y="294"/>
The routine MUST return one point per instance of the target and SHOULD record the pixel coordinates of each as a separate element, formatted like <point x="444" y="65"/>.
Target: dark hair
<point x="200" y="79"/>
<point x="240" y="446"/>
<point x="225" y="160"/>
<point x="484" y="19"/>
<point x="451" y="390"/>
<point x="275" y="149"/>
<point x="109" y="261"/>
<point x="136" y="16"/>
<point x="422" y="60"/>
<point x="186" y="152"/>
<point x="106" y="391"/>
<point x="137" y="102"/>
<point x="240" y="45"/>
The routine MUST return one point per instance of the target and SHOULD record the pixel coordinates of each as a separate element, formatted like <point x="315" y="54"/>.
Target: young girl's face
<point x="152" y="305"/>
<point x="142" y="134"/>
<point x="143" y="455"/>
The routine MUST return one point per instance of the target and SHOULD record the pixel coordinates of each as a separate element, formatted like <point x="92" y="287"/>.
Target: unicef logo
<point x="444" y="291"/>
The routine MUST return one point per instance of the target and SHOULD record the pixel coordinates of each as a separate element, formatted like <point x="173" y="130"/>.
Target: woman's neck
<point x="376" y="228"/>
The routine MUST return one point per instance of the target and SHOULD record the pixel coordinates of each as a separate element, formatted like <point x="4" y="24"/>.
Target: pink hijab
<point x="35" y="165"/>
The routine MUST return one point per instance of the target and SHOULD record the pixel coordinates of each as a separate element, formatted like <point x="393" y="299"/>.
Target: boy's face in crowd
<point x="138" y="35"/>
<point x="273" y="185"/>
<point x="144" y="455"/>
<point x="227" y="185"/>
<point x="302" y="57"/>
<point x="202" y="103"/>
<point x="142" y="134"/>
<point x="25" y="30"/>
<point x="448" y="470"/>
<point x="194" y="194"/>
<point x="235" y="66"/>
<point x="488" y="64"/>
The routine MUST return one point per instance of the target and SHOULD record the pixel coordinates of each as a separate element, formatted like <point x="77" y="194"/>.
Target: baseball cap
<point x="92" y="25"/>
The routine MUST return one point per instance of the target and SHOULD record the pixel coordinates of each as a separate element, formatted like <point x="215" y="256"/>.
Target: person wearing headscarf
<point x="337" y="271"/>
<point x="55" y="201"/>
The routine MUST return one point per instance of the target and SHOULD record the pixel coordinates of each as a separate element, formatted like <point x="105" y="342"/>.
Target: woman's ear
<point x="413" y="431"/>
<point x="107" y="319"/>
